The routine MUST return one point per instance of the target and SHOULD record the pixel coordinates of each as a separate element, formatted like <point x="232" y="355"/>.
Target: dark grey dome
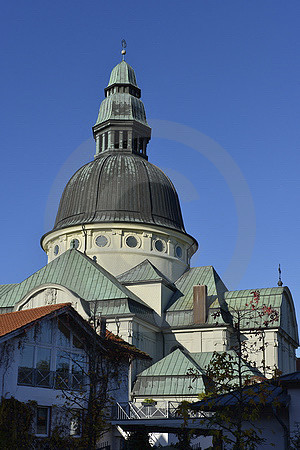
<point x="119" y="187"/>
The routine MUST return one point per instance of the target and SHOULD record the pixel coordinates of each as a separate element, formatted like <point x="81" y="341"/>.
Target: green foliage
<point x="149" y="401"/>
<point x="59" y="441"/>
<point x="139" y="440"/>
<point x="184" y="437"/>
<point x="15" y="424"/>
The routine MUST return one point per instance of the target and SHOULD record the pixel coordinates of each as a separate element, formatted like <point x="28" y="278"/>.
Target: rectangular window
<point x="116" y="139"/>
<point x="76" y="423"/>
<point x="135" y="144"/>
<point x="44" y="332"/>
<point x="63" y="335"/>
<point x="125" y="133"/>
<point x="26" y="371"/>
<point x="77" y="364"/>
<point x="42" y="421"/>
<point x="62" y="370"/>
<point x="53" y="366"/>
<point x="43" y="358"/>
<point x="77" y="343"/>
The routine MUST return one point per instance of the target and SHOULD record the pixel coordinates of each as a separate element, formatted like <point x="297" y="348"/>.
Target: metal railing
<point x="50" y="379"/>
<point x="162" y="410"/>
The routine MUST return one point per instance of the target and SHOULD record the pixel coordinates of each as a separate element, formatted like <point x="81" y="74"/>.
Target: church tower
<point x="120" y="209"/>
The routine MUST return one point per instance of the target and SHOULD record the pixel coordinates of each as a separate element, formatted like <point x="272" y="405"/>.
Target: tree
<point x="15" y="424"/>
<point x="138" y="440"/>
<point x="233" y="373"/>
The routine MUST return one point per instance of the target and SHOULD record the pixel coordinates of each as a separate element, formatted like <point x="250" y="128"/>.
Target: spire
<point x="121" y="124"/>
<point x="279" y="276"/>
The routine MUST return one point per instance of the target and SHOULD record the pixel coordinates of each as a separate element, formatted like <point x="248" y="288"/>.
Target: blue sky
<point x="228" y="70"/>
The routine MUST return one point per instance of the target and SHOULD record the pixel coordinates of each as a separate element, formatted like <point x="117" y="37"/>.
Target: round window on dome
<point x="101" y="241"/>
<point x="131" y="241"/>
<point x="56" y="250"/>
<point x="74" y="243"/>
<point x="159" y="245"/>
<point x="178" y="251"/>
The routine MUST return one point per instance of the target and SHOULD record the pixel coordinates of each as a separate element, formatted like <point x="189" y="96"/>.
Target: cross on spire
<point x="123" y="52"/>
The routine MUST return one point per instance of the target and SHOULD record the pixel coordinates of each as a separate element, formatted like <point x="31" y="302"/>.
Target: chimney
<point x="200" y="304"/>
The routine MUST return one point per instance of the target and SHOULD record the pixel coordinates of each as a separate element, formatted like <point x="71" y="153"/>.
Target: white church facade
<point x="119" y="249"/>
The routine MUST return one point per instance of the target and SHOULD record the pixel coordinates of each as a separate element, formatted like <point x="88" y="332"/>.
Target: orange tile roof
<point x="125" y="346"/>
<point x="10" y="322"/>
<point x="13" y="321"/>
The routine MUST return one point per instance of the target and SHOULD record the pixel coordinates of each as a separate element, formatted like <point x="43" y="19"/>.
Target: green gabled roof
<point x="278" y="298"/>
<point x="183" y="300"/>
<point x="76" y="272"/>
<point x="143" y="272"/>
<point x="179" y="387"/>
<point x="240" y="300"/>
<point x="6" y="287"/>
<point x="169" y="377"/>
<point x="175" y="364"/>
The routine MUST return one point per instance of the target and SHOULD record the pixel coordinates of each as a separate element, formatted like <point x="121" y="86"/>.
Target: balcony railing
<point x="50" y="379"/>
<point x="163" y="410"/>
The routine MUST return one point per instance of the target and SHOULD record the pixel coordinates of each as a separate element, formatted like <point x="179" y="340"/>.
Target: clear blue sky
<point x="227" y="69"/>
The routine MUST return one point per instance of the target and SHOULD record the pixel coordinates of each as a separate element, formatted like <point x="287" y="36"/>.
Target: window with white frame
<point x="76" y="423"/>
<point x="52" y="357"/>
<point x="42" y="421"/>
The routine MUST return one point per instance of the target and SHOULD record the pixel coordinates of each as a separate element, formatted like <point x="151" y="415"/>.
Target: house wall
<point x="11" y="352"/>
<point x="156" y="295"/>
<point x="9" y="378"/>
<point x="276" y="348"/>
<point x="197" y="339"/>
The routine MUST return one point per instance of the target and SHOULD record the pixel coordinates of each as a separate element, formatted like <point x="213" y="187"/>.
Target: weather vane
<point x="124" y="45"/>
<point x="279" y="276"/>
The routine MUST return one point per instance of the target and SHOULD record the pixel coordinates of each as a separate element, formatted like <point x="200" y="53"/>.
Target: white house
<point x="46" y="359"/>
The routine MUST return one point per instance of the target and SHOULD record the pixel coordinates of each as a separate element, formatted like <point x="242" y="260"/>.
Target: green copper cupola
<point x="121" y="124"/>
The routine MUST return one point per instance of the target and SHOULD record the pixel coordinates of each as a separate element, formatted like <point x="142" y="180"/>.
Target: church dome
<point x="119" y="187"/>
